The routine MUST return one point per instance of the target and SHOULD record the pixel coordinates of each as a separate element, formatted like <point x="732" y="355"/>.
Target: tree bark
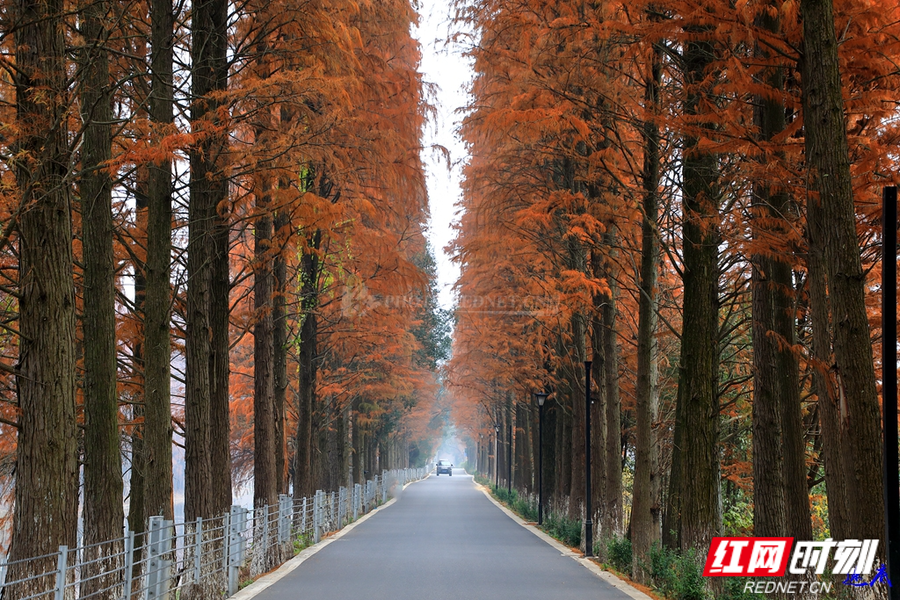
<point x="612" y="510"/>
<point x="779" y="456"/>
<point x="833" y="442"/>
<point x="265" y="474"/>
<point x="46" y="497"/>
<point x="693" y="506"/>
<point x="828" y="160"/>
<point x="265" y="477"/>
<point x="208" y="189"/>
<point x="304" y="483"/>
<point x="137" y="486"/>
<point x="769" y="509"/>
<point x="279" y="341"/>
<point x="157" y="352"/>
<point x="103" y="512"/>
<point x="598" y="416"/>
<point x="645" y="511"/>
<point x="219" y="360"/>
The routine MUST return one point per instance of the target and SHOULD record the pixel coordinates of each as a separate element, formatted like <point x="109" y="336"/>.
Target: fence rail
<point x="201" y="558"/>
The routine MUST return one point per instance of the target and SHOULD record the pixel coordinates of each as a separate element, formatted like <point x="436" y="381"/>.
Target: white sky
<point x="443" y="66"/>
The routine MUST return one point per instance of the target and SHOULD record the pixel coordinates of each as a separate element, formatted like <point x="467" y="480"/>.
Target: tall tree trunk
<point x="694" y="496"/>
<point x="265" y="473"/>
<point x="157" y="351"/>
<point x="598" y="414"/>
<point x="279" y="341"/>
<point x="46" y="497"/>
<point x="645" y="511"/>
<point x="828" y="159"/>
<point x="612" y="509"/>
<point x="103" y="513"/>
<point x="576" y="385"/>
<point x="304" y="483"/>
<point x="522" y="478"/>
<point x="769" y="510"/>
<point x="208" y="188"/>
<point x="552" y="410"/>
<point x="219" y="361"/>
<point x="779" y="457"/>
<point x="137" y="482"/>
<point x="265" y="477"/>
<point x="836" y="479"/>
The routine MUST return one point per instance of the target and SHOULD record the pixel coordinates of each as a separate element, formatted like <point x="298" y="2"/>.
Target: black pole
<point x="497" y="456"/>
<point x="588" y="523"/>
<point x="889" y="386"/>
<point x="509" y="458"/>
<point x="540" y="464"/>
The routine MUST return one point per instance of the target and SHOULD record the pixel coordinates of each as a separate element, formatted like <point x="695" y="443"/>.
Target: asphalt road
<point x="443" y="539"/>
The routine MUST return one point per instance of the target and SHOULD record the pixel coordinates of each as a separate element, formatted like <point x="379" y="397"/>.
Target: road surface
<point x="442" y="540"/>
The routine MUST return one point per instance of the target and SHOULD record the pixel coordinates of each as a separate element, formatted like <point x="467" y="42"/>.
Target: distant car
<point x="444" y="467"/>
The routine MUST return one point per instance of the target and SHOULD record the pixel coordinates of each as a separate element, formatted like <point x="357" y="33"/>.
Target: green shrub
<point x="566" y="530"/>
<point x="678" y="576"/>
<point x="618" y="551"/>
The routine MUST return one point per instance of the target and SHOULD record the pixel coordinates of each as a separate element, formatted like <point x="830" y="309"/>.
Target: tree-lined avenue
<point x="443" y="539"/>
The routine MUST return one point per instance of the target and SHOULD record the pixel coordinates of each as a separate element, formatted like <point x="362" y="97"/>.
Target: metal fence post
<point x="157" y="566"/>
<point x="317" y="516"/>
<point x="166" y="538"/>
<point x="265" y="534"/>
<point x="303" y="518"/>
<point x="60" y="592"/>
<point x="284" y="518"/>
<point x="198" y="548"/>
<point x="129" y="563"/>
<point x="154" y="568"/>
<point x="235" y="550"/>
<point x="226" y="528"/>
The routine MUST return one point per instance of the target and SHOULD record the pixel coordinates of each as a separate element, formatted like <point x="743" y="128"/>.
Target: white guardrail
<point x="203" y="558"/>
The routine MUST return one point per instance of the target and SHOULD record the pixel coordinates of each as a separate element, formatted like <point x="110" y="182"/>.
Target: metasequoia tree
<point x="156" y="347"/>
<point x="832" y="205"/>
<point x="646" y="513"/>
<point x="46" y="497"/>
<point x="203" y="328"/>
<point x="102" y="461"/>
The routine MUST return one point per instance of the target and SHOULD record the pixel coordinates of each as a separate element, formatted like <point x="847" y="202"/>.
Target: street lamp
<point x="541" y="397"/>
<point x="497" y="453"/>
<point x="509" y="458"/>
<point x="889" y="384"/>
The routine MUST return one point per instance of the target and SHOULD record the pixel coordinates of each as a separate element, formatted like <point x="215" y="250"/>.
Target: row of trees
<point x="212" y="236"/>
<point x="686" y="193"/>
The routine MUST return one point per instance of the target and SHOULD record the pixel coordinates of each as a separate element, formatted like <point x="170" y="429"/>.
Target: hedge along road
<point x="442" y="539"/>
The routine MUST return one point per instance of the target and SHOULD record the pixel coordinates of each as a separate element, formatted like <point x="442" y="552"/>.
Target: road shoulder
<point x="587" y="563"/>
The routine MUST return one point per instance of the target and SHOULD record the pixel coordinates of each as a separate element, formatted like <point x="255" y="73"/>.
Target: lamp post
<point x="889" y="385"/>
<point x="541" y="397"/>
<point x="497" y="454"/>
<point x="509" y="459"/>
